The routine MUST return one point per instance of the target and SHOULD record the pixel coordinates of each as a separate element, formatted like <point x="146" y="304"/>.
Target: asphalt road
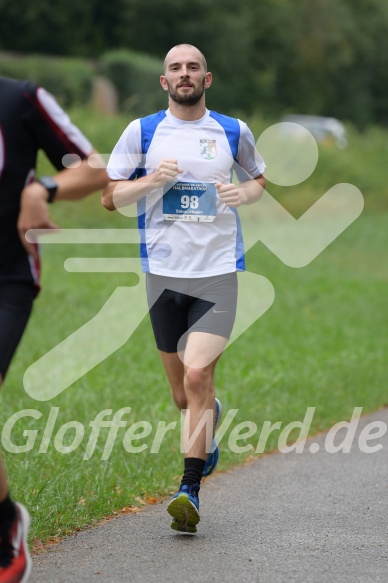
<point x="308" y="517"/>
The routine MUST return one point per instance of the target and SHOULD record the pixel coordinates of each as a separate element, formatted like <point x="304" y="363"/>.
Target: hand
<point x="229" y="194"/>
<point x="33" y="214"/>
<point x="166" y="171"/>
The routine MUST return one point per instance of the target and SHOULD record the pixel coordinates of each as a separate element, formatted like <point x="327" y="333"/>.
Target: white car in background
<point x="324" y="129"/>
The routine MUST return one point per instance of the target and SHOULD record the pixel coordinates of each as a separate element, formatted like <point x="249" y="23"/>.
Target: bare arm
<point x="120" y="193"/>
<point x="247" y="192"/>
<point x="73" y="184"/>
<point x="79" y="182"/>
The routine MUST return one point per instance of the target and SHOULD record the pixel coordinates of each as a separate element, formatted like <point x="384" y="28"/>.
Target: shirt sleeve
<point x="53" y="129"/>
<point x="249" y="164"/>
<point x="127" y="158"/>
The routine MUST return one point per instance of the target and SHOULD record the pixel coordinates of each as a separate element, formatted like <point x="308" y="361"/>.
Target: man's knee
<point x="197" y="380"/>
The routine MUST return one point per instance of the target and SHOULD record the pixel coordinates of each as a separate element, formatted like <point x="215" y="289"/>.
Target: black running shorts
<point x="16" y="301"/>
<point x="176" y="305"/>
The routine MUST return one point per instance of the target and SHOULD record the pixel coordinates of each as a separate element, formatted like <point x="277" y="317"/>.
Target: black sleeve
<point x="52" y="128"/>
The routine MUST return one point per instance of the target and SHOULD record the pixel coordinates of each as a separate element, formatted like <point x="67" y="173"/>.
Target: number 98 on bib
<point x="190" y="201"/>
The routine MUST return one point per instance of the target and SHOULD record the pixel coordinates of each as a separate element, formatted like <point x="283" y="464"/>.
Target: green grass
<point x="322" y="344"/>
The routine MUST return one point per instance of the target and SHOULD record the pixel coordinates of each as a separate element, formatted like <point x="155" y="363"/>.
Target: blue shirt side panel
<point x="231" y="128"/>
<point x="148" y="128"/>
<point x="240" y="254"/>
<point x="141" y="216"/>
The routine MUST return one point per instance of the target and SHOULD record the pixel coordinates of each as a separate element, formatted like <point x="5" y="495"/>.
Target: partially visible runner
<point x="30" y="120"/>
<point x="179" y="166"/>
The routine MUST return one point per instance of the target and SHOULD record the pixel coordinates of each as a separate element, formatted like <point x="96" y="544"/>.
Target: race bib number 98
<point x="190" y="201"/>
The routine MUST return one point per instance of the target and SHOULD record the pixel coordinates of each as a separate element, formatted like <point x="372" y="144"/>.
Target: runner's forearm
<point x="121" y="193"/>
<point x="252" y="190"/>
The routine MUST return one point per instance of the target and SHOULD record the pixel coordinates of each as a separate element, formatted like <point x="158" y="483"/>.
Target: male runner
<point x="177" y="165"/>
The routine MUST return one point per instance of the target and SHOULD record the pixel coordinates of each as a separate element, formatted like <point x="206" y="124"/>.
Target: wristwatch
<point x="50" y="185"/>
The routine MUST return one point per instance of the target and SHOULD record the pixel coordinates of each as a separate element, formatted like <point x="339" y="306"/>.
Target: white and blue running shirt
<point x="185" y="228"/>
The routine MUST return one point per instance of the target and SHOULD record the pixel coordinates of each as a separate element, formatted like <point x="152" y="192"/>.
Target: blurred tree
<point x="60" y="27"/>
<point x="324" y="57"/>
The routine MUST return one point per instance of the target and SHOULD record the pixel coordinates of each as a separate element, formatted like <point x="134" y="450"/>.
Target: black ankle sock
<point x="193" y="471"/>
<point x="7" y="510"/>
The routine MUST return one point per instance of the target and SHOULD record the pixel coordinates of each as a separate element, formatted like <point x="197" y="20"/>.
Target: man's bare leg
<point x="201" y="348"/>
<point x="177" y="377"/>
<point x="198" y="362"/>
<point x="174" y="369"/>
<point x="192" y="384"/>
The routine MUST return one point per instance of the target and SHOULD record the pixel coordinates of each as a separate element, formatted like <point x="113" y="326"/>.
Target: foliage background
<point x="324" y="57"/>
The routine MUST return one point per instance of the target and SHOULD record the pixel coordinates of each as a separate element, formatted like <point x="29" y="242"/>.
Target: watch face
<point x="48" y="182"/>
<point x="50" y="185"/>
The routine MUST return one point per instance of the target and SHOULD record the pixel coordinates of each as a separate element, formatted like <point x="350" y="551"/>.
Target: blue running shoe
<point x="184" y="508"/>
<point x="214" y="454"/>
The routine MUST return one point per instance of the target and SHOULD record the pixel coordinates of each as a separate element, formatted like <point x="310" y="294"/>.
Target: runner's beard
<point x="187" y="99"/>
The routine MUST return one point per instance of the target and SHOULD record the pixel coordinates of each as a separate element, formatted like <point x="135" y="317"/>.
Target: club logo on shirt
<point x="208" y="149"/>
